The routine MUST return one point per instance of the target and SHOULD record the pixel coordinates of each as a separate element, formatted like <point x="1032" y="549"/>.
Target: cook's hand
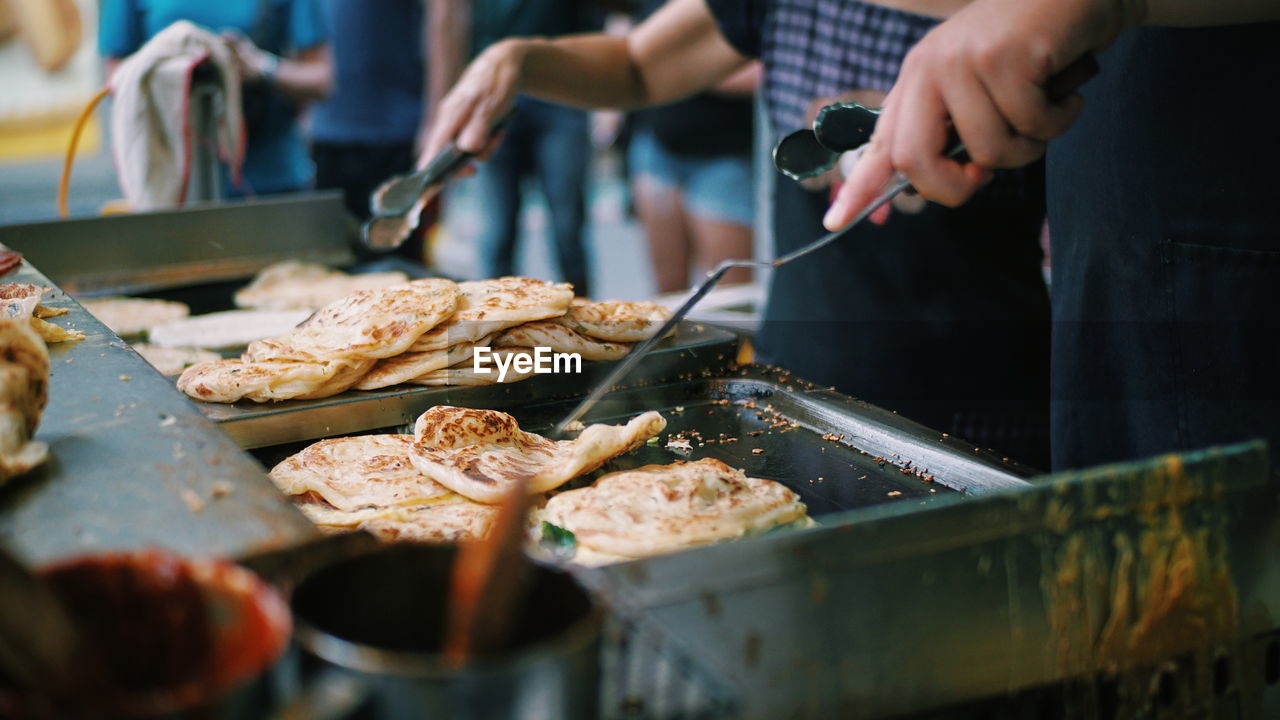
<point x="484" y="93"/>
<point x="981" y="73"/>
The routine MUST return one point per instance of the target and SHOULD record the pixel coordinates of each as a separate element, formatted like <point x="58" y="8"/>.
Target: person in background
<point x="282" y="52"/>
<point x="683" y="157"/>
<point x="941" y="315"/>
<point x="1166" y="229"/>
<point x="545" y="140"/>
<point x="367" y="130"/>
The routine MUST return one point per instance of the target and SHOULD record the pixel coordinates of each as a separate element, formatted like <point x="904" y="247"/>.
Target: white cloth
<point x="150" y="129"/>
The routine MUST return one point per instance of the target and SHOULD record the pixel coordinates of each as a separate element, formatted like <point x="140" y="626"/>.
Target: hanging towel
<point x="150" y="132"/>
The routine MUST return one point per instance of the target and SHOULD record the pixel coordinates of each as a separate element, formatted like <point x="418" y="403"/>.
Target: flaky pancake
<point x="615" y="320"/>
<point x="450" y="519"/>
<point x="664" y="508"/>
<point x="376" y="323"/>
<point x="354" y="472"/>
<point x="293" y="285"/>
<point x="24" y="391"/>
<point x="227" y="381"/>
<point x="128" y="316"/>
<point x="173" y="360"/>
<point x="465" y="375"/>
<point x="22" y="301"/>
<point x="560" y="338"/>
<point x="480" y="453"/>
<point x="488" y="306"/>
<point x="51" y="333"/>
<point x="229" y="329"/>
<point x="402" y="368"/>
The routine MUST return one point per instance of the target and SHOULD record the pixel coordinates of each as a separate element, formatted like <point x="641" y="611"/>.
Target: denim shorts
<point x="716" y="188"/>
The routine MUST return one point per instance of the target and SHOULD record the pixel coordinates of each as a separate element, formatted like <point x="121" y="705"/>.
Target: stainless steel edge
<point x="133" y="462"/>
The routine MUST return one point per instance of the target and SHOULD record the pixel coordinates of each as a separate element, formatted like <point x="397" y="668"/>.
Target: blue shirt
<point x="378" y="73"/>
<point x="276" y="158"/>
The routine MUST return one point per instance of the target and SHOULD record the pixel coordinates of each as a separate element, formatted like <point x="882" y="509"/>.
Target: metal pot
<point x="368" y="631"/>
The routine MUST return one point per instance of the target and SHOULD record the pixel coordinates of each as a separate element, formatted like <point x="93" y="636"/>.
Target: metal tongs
<point x="397" y="204"/>
<point x="850" y="127"/>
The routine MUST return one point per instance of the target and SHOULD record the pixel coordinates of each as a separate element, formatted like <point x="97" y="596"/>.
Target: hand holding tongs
<point x="800" y="155"/>
<point x="397" y="204"/>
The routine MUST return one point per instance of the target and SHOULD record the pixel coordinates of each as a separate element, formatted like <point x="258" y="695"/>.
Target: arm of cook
<point x="983" y="71"/>
<point x="676" y="52"/>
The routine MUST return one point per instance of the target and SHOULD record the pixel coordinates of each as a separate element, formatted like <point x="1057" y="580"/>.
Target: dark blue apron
<point x="942" y="316"/>
<point x="1164" y="211"/>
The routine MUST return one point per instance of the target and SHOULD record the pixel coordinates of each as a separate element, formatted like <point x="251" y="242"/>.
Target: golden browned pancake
<point x="402" y="368"/>
<point x="366" y="324"/>
<point x="134" y="316"/>
<point x="465" y="375"/>
<point x="24" y="390"/>
<point x="664" y="508"/>
<point x="293" y="285"/>
<point x="227" y="381"/>
<point x="173" y="360"/>
<point x="615" y="320"/>
<point x="488" y="306"/>
<point x="354" y="472"/>
<point x="560" y="338"/>
<point x="479" y="454"/>
<point x="448" y="520"/>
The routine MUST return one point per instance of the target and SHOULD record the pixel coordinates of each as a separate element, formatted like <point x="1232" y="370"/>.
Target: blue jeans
<point x="553" y="142"/>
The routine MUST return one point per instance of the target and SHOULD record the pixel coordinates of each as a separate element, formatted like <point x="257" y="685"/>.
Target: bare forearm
<point x="305" y="80"/>
<point x="588" y="71"/>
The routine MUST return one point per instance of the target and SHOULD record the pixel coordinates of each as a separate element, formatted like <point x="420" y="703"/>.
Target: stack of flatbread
<point x="22" y="301"/>
<point x="24" y="390"/>
<point x="442" y="482"/>
<point x="660" y="509"/>
<point x="293" y="285"/>
<point x="363" y="340"/>
<point x="332" y="350"/>
<point x="485" y="309"/>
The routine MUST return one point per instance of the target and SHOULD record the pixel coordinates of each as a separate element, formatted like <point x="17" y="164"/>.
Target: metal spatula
<point x="1059" y="86"/>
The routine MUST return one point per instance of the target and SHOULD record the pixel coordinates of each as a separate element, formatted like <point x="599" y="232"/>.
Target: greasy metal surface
<point x="133" y="463"/>
<point x="693" y="350"/>
<point x="147" y="251"/>
<point x="1112" y="593"/>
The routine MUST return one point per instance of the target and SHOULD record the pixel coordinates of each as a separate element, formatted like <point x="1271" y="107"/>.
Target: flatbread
<point x="403" y="368"/>
<point x="489" y="306"/>
<point x="128" y="316"/>
<point x="24" y="391"/>
<point x="615" y="320"/>
<point x="448" y="520"/>
<point x="465" y="374"/>
<point x="173" y="360"/>
<point x="230" y="329"/>
<point x="659" y="509"/>
<point x="354" y="472"/>
<point x="479" y="454"/>
<point x="22" y="300"/>
<point x="376" y="323"/>
<point x="560" y="338"/>
<point x="293" y="285"/>
<point x="228" y="381"/>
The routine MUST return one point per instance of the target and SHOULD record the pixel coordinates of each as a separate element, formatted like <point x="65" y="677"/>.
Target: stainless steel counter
<point x="133" y="462"/>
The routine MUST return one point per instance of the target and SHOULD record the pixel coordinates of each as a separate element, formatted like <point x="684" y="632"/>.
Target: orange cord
<point x="65" y="181"/>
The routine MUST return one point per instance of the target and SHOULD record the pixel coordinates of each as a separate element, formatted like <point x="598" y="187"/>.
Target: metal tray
<point x="693" y="350"/>
<point x="837" y="453"/>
